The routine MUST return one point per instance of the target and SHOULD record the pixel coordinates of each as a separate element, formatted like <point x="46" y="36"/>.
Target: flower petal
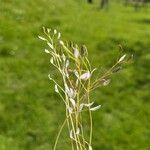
<point x="72" y="102"/>
<point x="59" y="35"/>
<point x="76" y="53"/>
<point x="52" y="60"/>
<point x="86" y="105"/>
<point x="122" y="58"/>
<point x="90" y="147"/>
<point x="50" y="45"/>
<point x="42" y="38"/>
<point x="85" y="76"/>
<point x="95" y="108"/>
<point x="71" y="134"/>
<point x="56" y="89"/>
<point x="55" y="31"/>
<point x="77" y="131"/>
<point x="47" y="51"/>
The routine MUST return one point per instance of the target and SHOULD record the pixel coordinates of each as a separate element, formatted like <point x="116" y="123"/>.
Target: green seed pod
<point x="116" y="69"/>
<point x="84" y="51"/>
<point x="70" y="44"/>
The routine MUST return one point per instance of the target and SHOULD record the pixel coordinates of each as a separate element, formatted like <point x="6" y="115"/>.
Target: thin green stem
<point x="58" y="135"/>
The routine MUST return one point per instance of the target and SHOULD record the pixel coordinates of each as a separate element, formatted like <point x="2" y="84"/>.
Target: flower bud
<point x="84" y="51"/>
<point x="104" y="82"/>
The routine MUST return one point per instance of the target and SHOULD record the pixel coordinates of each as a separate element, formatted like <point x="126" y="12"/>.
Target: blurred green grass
<point x="30" y="111"/>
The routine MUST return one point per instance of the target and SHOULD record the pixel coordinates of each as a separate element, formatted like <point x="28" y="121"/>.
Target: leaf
<point x="95" y="108"/>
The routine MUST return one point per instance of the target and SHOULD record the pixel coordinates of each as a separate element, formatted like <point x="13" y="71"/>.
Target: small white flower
<point x="76" y="73"/>
<point x="61" y="43"/>
<point x="56" y="89"/>
<point x="52" y="60"/>
<point x="50" y="45"/>
<point x="71" y="93"/>
<point x="122" y="58"/>
<point x="66" y="88"/>
<point x="47" y="51"/>
<point x="67" y="63"/>
<point x="48" y="30"/>
<point x="90" y="147"/>
<point x="89" y="104"/>
<point x="77" y="131"/>
<point x="55" y="31"/>
<point x="42" y="38"/>
<point x="63" y="57"/>
<point x="49" y="76"/>
<point x="70" y="109"/>
<point x="77" y="82"/>
<point x="72" y="102"/>
<point x="86" y="105"/>
<point x="105" y="82"/>
<point x="66" y="73"/>
<point x="76" y="53"/>
<point x="43" y="29"/>
<point x="59" y="35"/>
<point x="71" y="134"/>
<point x="95" y="108"/>
<point x="85" y="76"/>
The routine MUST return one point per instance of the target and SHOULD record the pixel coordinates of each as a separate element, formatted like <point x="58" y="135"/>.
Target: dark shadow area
<point x="5" y="52"/>
<point x="144" y="21"/>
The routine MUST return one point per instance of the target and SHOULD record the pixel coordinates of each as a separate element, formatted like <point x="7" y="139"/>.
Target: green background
<point x="31" y="113"/>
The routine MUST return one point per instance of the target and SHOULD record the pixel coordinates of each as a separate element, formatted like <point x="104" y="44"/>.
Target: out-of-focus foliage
<point x="31" y="113"/>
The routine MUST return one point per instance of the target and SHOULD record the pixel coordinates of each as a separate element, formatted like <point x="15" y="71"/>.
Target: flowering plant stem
<point x="77" y="75"/>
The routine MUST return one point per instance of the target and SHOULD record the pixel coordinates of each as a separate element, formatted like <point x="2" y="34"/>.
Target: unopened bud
<point x="116" y="69"/>
<point x="84" y="51"/>
<point x="104" y="82"/>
